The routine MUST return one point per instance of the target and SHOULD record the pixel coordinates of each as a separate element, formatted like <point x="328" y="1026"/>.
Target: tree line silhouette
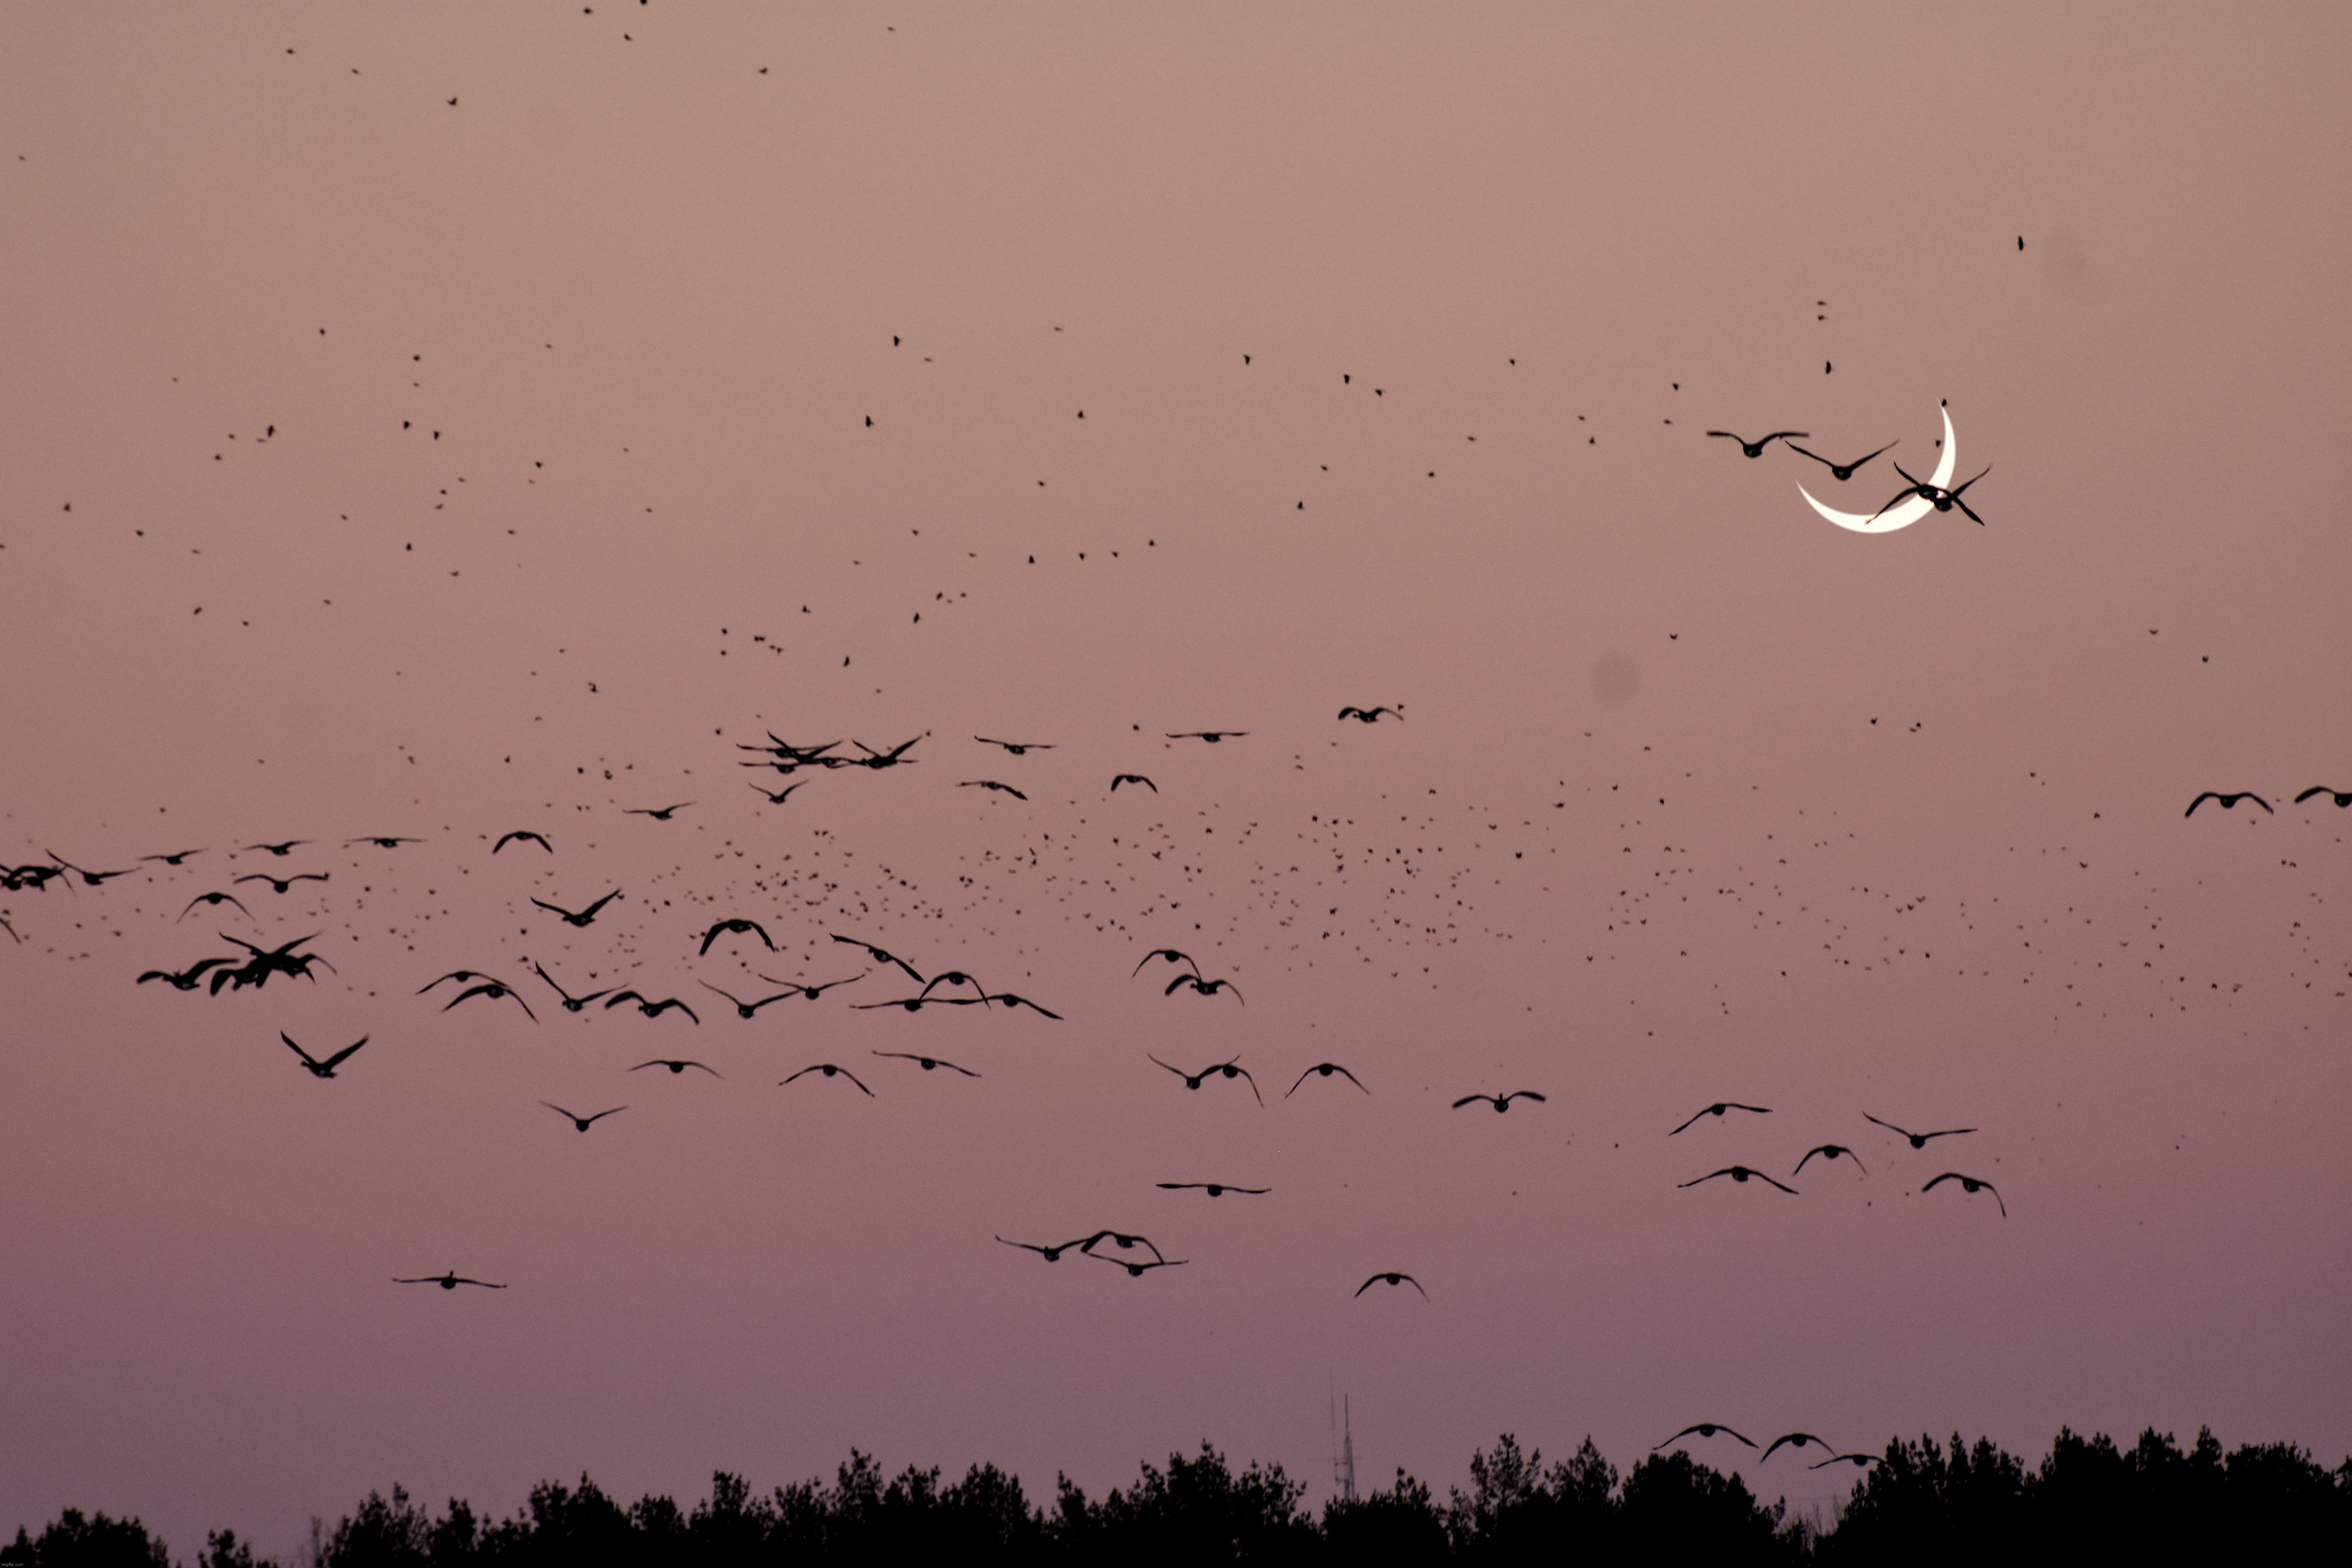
<point x="1921" y="1504"/>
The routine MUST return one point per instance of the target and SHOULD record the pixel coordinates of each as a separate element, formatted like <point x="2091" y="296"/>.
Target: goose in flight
<point x="1829" y="1151"/>
<point x="1794" y="1440"/>
<point x="527" y="835"/>
<point x="879" y="955"/>
<point x="1918" y="1139"/>
<point x="659" y="813"/>
<point x="584" y="916"/>
<point x="928" y="1063"/>
<point x="1719" y="1107"/>
<point x="1944" y="499"/>
<point x="1205" y="987"/>
<point x="1169" y="953"/>
<point x="321" y="1068"/>
<point x="991" y="783"/>
<point x="1738" y="1173"/>
<point x="1016" y="748"/>
<point x="1501" y="1102"/>
<point x="1326" y="1069"/>
<point x="1841" y="472"/>
<point x="2343" y="797"/>
<point x="811" y="992"/>
<point x="1211" y="736"/>
<point x="1370" y="715"/>
<point x="676" y="1066"/>
<point x="744" y="1009"/>
<point x="653" y="1009"/>
<point x="279" y="849"/>
<point x="1704" y="1429"/>
<point x="186" y="980"/>
<point x="1393" y="1277"/>
<point x="740" y="928"/>
<point x="580" y="1122"/>
<point x="829" y="1069"/>
<point x="1225" y="1067"/>
<point x="216" y="899"/>
<point x="1969" y="1185"/>
<point x="1132" y="778"/>
<point x="1756" y="448"/>
<point x="496" y="990"/>
<point x="383" y="842"/>
<point x="448" y="1281"/>
<point x="171" y="859"/>
<point x="1215" y="1189"/>
<point x="279" y="884"/>
<point x="2230" y="802"/>
<point x="570" y="1004"/>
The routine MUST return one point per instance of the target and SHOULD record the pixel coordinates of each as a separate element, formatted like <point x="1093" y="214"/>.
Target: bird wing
<point x="1947" y="1133"/>
<point x="1468" y="1098"/>
<point x="554" y="909"/>
<point x="298" y="1050"/>
<point x="1253" y="1083"/>
<point x="858" y="1082"/>
<point x="1178" y="1071"/>
<point x="1294" y="1087"/>
<point x="1523" y="1094"/>
<point x="1798" y="1439"/>
<point x="1351" y="1078"/>
<point x="346" y="1051"/>
<point x="1866" y="1116"/>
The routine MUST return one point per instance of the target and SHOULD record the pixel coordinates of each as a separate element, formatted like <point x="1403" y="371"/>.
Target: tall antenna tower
<point x="1343" y="1452"/>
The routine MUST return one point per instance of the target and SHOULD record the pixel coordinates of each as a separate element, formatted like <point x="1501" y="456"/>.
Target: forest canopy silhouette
<point x="1919" y="1503"/>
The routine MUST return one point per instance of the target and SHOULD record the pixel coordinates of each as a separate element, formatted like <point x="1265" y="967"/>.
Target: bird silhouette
<point x="745" y="1009"/>
<point x="1841" y="472"/>
<point x="1137" y="1270"/>
<point x="584" y="916"/>
<point x="256" y="970"/>
<point x="15" y="938"/>
<point x="1856" y="1461"/>
<point x="91" y="878"/>
<point x="572" y="1004"/>
<point x="216" y="899"/>
<point x="676" y="1065"/>
<point x="171" y="859"/>
<point x="1794" y="1440"/>
<point x="1325" y="1069"/>
<point x="2228" y="802"/>
<point x="1944" y="499"/>
<point x="1169" y="955"/>
<point x="991" y="783"/>
<point x="659" y="813"/>
<point x="187" y="978"/>
<point x="881" y="957"/>
<point x="1211" y="736"/>
<point x="2342" y="797"/>
<point x="874" y="759"/>
<point x="1132" y="778"/>
<point x="777" y="797"/>
<point x="1969" y="1185"/>
<point x="578" y="1120"/>
<point x="652" y="1009"/>
<point x="829" y="1069"/>
<point x="34" y="877"/>
<point x="279" y="849"/>
<point x="279" y="884"/>
<point x="1085" y="1243"/>
<point x="1918" y="1139"/>
<point x="928" y="1063"/>
<point x="1394" y="1277"/>
<point x="462" y="976"/>
<point x="496" y="991"/>
<point x="1829" y="1151"/>
<point x="321" y="1069"/>
<point x="1016" y="748"/>
<point x="812" y="991"/>
<point x="527" y="835"/>
<point x="1719" y="1107"/>
<point x="448" y="1281"/>
<point x="1205" y="987"/>
<point x="958" y="977"/>
<point x="1010" y="1000"/>
<point x="383" y="843"/>
<point x="1225" y="1067"/>
<point x="1738" y="1173"/>
<point x="1501" y="1102"/>
<point x="1704" y="1429"/>
<point x="1369" y="715"/>
<point x="1756" y="448"/>
<point x="1215" y="1189"/>
<point x="741" y="928"/>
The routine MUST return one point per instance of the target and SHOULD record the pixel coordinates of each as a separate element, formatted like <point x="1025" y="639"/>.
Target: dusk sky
<point x="432" y="422"/>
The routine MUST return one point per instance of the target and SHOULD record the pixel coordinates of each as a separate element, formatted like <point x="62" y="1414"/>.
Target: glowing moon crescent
<point x="1895" y="517"/>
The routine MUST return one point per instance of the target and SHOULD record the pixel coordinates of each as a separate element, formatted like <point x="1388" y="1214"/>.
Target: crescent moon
<point x="1896" y="516"/>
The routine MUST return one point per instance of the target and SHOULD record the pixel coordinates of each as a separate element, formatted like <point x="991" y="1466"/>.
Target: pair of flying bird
<point x="2230" y="802"/>
<point x="1086" y="1245"/>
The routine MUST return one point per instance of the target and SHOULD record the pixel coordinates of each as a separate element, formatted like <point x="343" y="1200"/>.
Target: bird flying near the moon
<point x="1909" y="511"/>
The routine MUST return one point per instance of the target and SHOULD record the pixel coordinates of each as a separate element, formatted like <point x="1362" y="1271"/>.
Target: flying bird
<point x="1944" y="500"/>
<point x="991" y="783"/>
<point x="580" y="1122"/>
<point x="448" y="1281"/>
<point x="186" y="980"/>
<point x="812" y="991"/>
<point x="1969" y="1185"/>
<point x="1015" y="747"/>
<point x="1133" y="778"/>
<point x="829" y="1069"/>
<point x="2342" y="797"/>
<point x="94" y="878"/>
<point x="279" y="884"/>
<point x="1738" y="1173"/>
<point x="744" y="1009"/>
<point x="777" y="798"/>
<point x="1010" y="1000"/>
<point x="928" y="1063"/>
<point x="462" y="976"/>
<point x="495" y="990"/>
<point x="1705" y="1429"/>
<point x="1226" y="1067"/>
<point x="1171" y="955"/>
<point x="1841" y="472"/>
<point x="279" y="848"/>
<point x="321" y="1068"/>
<point x="527" y="835"/>
<point x="584" y="916"/>
<point x="741" y="928"/>
<point x="874" y="759"/>
<point x="1137" y="1270"/>
<point x="653" y="1009"/>
<point x="1211" y="736"/>
<point x="383" y="843"/>
<point x="171" y="859"/>
<point x="2230" y="802"/>
<point x="1794" y="1440"/>
<point x="1215" y="1189"/>
<point x="1369" y="715"/>
<point x="216" y="899"/>
<point x="660" y="814"/>
<point x="1719" y="1107"/>
<point x="1205" y="987"/>
<point x="1326" y="1069"/>
<point x="1918" y="1139"/>
<point x="676" y="1065"/>
<point x="1856" y="1461"/>
<point x="880" y="956"/>
<point x="1084" y="1244"/>
<point x="1756" y="448"/>
<point x="1830" y="1151"/>
<point x="1501" y="1102"/>
<point x="1393" y="1278"/>
<point x="570" y="1004"/>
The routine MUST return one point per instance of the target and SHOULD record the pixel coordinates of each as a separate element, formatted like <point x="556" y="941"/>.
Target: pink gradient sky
<point x="1696" y="797"/>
